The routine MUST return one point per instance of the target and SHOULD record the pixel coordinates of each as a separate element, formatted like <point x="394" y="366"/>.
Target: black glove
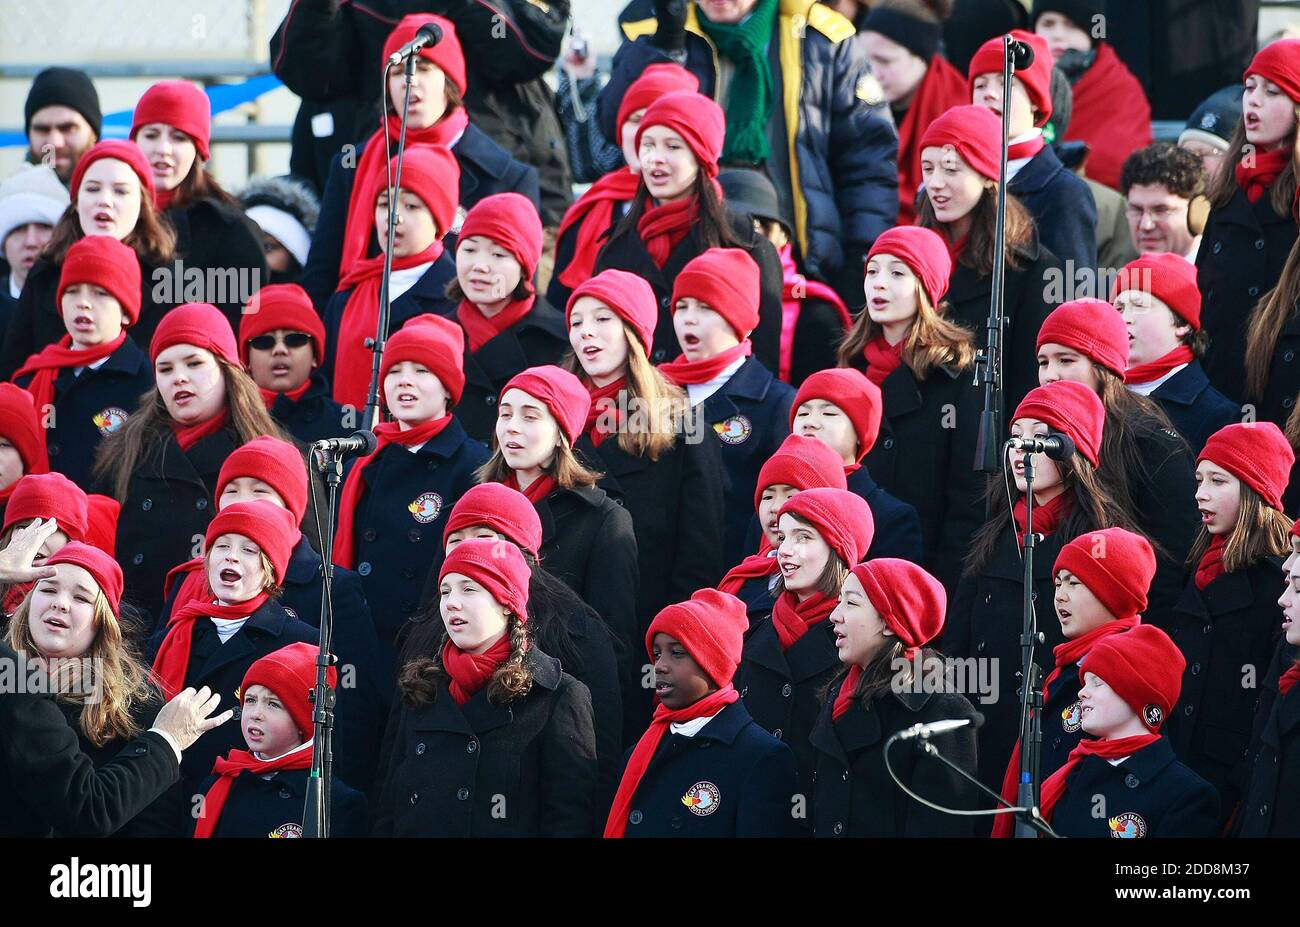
<point x="671" y="33"/>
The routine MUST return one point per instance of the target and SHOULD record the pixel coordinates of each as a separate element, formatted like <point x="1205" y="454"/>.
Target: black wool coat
<point x="316" y="415"/>
<point x="524" y="769"/>
<point x="273" y="807"/>
<point x="222" y="243"/>
<point x="1196" y="408"/>
<point x="1271" y="803"/>
<point x="1063" y="208"/>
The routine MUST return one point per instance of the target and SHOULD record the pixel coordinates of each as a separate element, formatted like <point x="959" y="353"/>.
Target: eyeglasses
<point x="268" y="342"/>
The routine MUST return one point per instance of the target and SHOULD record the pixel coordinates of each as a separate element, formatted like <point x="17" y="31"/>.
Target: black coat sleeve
<point x="767" y="799"/>
<point x="611" y="587"/>
<point x="1166" y="510"/>
<point x="767" y="337"/>
<point x="521" y="38"/>
<point x="569" y="764"/>
<point x="317" y="51"/>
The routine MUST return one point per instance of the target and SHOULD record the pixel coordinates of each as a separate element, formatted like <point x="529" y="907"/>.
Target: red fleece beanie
<point x="100" y="565"/>
<point x="975" y="132"/>
<point x="1257" y="453"/>
<point x="842" y="518"/>
<point x="923" y="251"/>
<point x="276" y="463"/>
<point x="435" y="342"/>
<point x="1167" y="277"/>
<point x="696" y="118"/>
<point x="432" y="173"/>
<point x="280" y="306"/>
<point x="49" y="495"/>
<point x="1145" y="669"/>
<point x="495" y="565"/>
<point x="264" y="523"/>
<point x="107" y="263"/>
<point x="657" y="80"/>
<point x="511" y="221"/>
<point x="1116" y="565"/>
<point x="179" y="104"/>
<point x="1070" y="408"/>
<point x="910" y="601"/>
<point x="447" y="54"/>
<point x="856" y="396"/>
<point x="101" y="522"/>
<point x="1092" y="327"/>
<point x="631" y="298"/>
<point x="21" y="426"/>
<point x="1279" y="62"/>
<point x="119" y="149"/>
<point x="728" y="280"/>
<point x="804" y="463"/>
<point x="200" y="325"/>
<point x="502" y="509"/>
<point x="560" y="391"/>
<point x="1037" y="79"/>
<point x="290" y="673"/>
<point x="711" y="625"/>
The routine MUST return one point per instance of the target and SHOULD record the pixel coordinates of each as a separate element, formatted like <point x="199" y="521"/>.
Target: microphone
<point x="429" y="34"/>
<point x="358" y="444"/>
<point x="1057" y="447"/>
<point x="1022" y="55"/>
<point x="926" y="731"/>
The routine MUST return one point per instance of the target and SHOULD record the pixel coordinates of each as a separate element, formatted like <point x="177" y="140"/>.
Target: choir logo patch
<point x="1153" y="715"/>
<point x="110" y="420"/>
<point x="735" y="430"/>
<point x="702" y="798"/>
<point x="287" y="830"/>
<point x="426" y="507"/>
<point x="1128" y="826"/>
<point x="1072" y="718"/>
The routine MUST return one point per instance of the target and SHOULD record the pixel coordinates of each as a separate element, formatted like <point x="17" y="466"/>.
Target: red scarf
<point x="480" y="329"/>
<point x="662" y="228"/>
<point x="1111" y="114"/>
<point x="754" y="566"/>
<point x="942" y="88"/>
<point x="1256" y="175"/>
<point x="604" y="403"/>
<point x="1026" y="149"/>
<point x="56" y="357"/>
<point x="682" y="371"/>
<point x="882" y="358"/>
<point x="1211" y="566"/>
<point x="173" y="659"/>
<point x="1055" y="785"/>
<point x="1047" y="517"/>
<point x="1068" y="656"/>
<point x="370" y="177"/>
<point x="471" y="671"/>
<point x="162" y="199"/>
<point x="189" y="435"/>
<point x="1154" y="370"/>
<point x="360" y="319"/>
<point x="956" y="248"/>
<point x="537" y="490"/>
<point x="194" y="581"/>
<point x="794" y="290"/>
<point x="593" y="213"/>
<point x="844" y="699"/>
<point x="228" y="768"/>
<point x="345" y="549"/>
<point x="793" y="618"/>
<point x="269" y="396"/>
<point x="1288" y="680"/>
<point x="644" y="751"/>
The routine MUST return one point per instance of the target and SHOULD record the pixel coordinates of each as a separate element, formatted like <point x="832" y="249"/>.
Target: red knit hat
<point x="842" y="518"/>
<point x="560" y="391"/>
<point x="502" y="509"/>
<point x="696" y="118"/>
<point x="101" y="522"/>
<point x="1169" y="278"/>
<point x="200" y="325"/>
<point x="1037" y="79"/>
<point x="911" y="602"/>
<point x="280" y="306"/>
<point x="1145" y="669"/>
<point x="975" y="132"/>
<point x="435" y="342"/>
<point x="656" y="81"/>
<point x="179" y="104"/>
<point x="728" y="280"/>
<point x="432" y="173"/>
<point x="107" y="263"/>
<point x="801" y="462"/>
<point x="21" y="426"/>
<point x="276" y="463"/>
<point x="119" y="149"/>
<point x="630" y="296"/>
<point x="447" y="54"/>
<point x="100" y="565"/>
<point x="1279" y="62"/>
<point x="711" y="625"/>
<point x="1070" y="408"/>
<point x="510" y="220"/>
<point x="1257" y="453"/>
<point x="1116" y="565"/>
<point x="290" y="673"/>
<point x="856" y="396"/>
<point x="264" y="523"/>
<point x="924" y="252"/>
<point x="48" y="495"/>
<point x="495" y="565"/>
<point x="1091" y="327"/>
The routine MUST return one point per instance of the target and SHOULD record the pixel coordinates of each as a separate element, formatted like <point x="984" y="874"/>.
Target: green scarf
<point x="749" y="101"/>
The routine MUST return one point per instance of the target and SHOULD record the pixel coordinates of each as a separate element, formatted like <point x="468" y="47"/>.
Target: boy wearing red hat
<point x="87" y="384"/>
<point x="704" y="767"/>
<point x="1161" y="306"/>
<point x="276" y="721"/>
<point x="1128" y="783"/>
<point x="1060" y="202"/>
<point x="282" y="343"/>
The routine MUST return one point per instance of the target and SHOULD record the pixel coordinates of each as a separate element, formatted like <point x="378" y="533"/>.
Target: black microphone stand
<point x="316" y="818"/>
<point x="988" y="362"/>
<point x="1031" y="697"/>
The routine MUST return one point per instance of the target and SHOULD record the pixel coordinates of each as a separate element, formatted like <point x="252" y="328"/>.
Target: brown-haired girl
<point x="491" y="738"/>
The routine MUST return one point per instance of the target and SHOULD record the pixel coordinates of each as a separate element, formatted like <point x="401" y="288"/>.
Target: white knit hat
<point x="33" y="194"/>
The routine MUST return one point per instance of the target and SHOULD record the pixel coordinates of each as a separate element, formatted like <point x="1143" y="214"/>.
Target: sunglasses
<point x="268" y="342"/>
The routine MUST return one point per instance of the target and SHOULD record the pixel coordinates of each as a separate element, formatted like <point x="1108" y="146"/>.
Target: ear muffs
<point x="1198" y="213"/>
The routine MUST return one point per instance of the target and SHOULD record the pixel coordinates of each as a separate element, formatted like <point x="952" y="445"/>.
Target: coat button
<point x="889" y="442"/>
<point x="1259" y="244"/>
<point x="1263" y="809"/>
<point x="369" y="535"/>
<point x="675" y="823"/>
<point x="413" y="535"/>
<point x="419" y="749"/>
<point x="1253" y="291"/>
<point x="1196" y="669"/>
<point x="363" y="569"/>
<point x="745" y="691"/>
<point x="988" y="599"/>
<point x="201" y="504"/>
<point x="777" y="733"/>
<point x="845" y="775"/>
<point x="786" y="690"/>
<point x="472" y="746"/>
<point x="141" y="750"/>
<point x="462" y="794"/>
<point x="1288" y="356"/>
<point x="1218" y="246"/>
<point x="491" y="400"/>
<point x="431" y="465"/>
<point x="980" y="647"/>
<point x="1205" y="629"/>
<point x="52" y="450"/>
<point x="1288" y="402"/>
<point x="286" y="794"/>
<point x="665" y="302"/>
<point x="838" y="828"/>
<point x="415" y="796"/>
<point x="1188" y="711"/>
<point x="1131" y="781"/>
<point x="137" y="559"/>
<point x="634" y="817"/>
<point x="146" y="505"/>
